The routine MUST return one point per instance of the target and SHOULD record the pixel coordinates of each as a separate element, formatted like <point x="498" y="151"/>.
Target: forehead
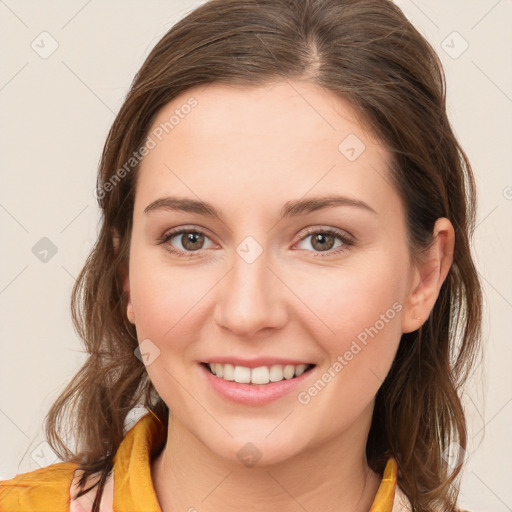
<point x="283" y="109"/>
<point x="284" y="138"/>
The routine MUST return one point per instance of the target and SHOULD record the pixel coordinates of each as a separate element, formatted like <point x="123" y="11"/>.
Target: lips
<point x="250" y="393"/>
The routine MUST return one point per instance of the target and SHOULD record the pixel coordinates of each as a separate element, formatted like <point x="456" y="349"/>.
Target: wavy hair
<point x="369" y="54"/>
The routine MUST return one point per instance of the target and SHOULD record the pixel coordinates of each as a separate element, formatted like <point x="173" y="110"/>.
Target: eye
<point x="190" y="240"/>
<point x="323" y="240"/>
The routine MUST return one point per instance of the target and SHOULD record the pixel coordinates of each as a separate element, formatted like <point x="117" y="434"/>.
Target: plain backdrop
<point x="66" y="67"/>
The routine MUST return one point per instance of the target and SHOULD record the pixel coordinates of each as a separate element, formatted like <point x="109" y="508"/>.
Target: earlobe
<point x="129" y="313"/>
<point x="125" y="277"/>
<point x="123" y="274"/>
<point x="430" y="274"/>
<point x="129" y="306"/>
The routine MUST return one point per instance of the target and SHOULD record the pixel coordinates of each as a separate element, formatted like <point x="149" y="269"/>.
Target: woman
<point x="283" y="277"/>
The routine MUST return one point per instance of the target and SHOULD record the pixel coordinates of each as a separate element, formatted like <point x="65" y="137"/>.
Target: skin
<point x="247" y="151"/>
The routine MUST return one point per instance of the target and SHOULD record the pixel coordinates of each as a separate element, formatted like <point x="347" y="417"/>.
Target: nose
<point x="251" y="299"/>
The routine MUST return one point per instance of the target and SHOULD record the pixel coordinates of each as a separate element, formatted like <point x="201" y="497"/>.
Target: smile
<point x="261" y="375"/>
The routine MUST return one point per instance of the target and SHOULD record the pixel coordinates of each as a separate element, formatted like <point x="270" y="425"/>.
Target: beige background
<point x="56" y="112"/>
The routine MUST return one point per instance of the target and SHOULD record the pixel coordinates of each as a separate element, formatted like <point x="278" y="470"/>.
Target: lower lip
<point x="254" y="394"/>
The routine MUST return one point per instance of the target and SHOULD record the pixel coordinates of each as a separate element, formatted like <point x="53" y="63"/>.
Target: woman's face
<point x="323" y="285"/>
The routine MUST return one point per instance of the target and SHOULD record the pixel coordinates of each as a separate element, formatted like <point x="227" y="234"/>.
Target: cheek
<point x="166" y="302"/>
<point x="338" y="304"/>
<point x="159" y="296"/>
<point x="349" y="300"/>
<point x="169" y="301"/>
<point x="359" y="333"/>
<point x="357" y="319"/>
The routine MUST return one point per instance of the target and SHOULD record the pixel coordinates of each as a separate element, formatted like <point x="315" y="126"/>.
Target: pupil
<point x="322" y="240"/>
<point x="191" y="240"/>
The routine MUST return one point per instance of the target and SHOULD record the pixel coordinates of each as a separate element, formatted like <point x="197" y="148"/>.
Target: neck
<point x="331" y="477"/>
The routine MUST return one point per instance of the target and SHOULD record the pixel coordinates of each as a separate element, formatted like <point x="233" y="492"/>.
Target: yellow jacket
<point x="130" y="487"/>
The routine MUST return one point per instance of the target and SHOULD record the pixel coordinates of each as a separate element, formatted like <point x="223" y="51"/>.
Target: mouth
<point x="260" y="376"/>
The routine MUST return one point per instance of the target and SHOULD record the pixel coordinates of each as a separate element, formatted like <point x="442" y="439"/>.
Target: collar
<point x="133" y="489"/>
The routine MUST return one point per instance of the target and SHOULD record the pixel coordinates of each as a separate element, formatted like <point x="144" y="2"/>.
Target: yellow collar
<point x="133" y="489"/>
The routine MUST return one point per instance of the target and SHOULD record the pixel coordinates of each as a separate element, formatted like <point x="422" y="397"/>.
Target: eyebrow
<point x="290" y="208"/>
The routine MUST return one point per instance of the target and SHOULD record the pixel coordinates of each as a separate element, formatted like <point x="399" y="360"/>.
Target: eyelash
<point x="340" y="235"/>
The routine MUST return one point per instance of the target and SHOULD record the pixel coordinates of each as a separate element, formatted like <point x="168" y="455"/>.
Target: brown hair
<point x="368" y="53"/>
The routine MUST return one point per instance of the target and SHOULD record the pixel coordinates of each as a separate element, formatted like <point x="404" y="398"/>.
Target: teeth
<point x="229" y="372"/>
<point x="260" y="375"/>
<point x="242" y="374"/>
<point x="288" y="371"/>
<point x="300" y="370"/>
<point x="276" y="373"/>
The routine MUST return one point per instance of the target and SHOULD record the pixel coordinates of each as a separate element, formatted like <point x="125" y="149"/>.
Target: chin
<point x="258" y="453"/>
<point x="256" y="447"/>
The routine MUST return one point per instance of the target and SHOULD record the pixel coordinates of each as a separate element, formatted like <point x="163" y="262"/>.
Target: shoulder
<point x="84" y="502"/>
<point x="401" y="503"/>
<point x="52" y="489"/>
<point x="42" y="490"/>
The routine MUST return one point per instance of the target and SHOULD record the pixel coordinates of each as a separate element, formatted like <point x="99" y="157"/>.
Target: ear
<point x="428" y="276"/>
<point x="124" y="276"/>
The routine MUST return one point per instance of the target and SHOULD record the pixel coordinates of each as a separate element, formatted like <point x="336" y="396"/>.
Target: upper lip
<point x="256" y="362"/>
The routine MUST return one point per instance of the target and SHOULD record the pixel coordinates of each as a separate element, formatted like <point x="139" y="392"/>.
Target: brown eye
<point x="185" y="242"/>
<point x="324" y="241"/>
<point x="192" y="241"/>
